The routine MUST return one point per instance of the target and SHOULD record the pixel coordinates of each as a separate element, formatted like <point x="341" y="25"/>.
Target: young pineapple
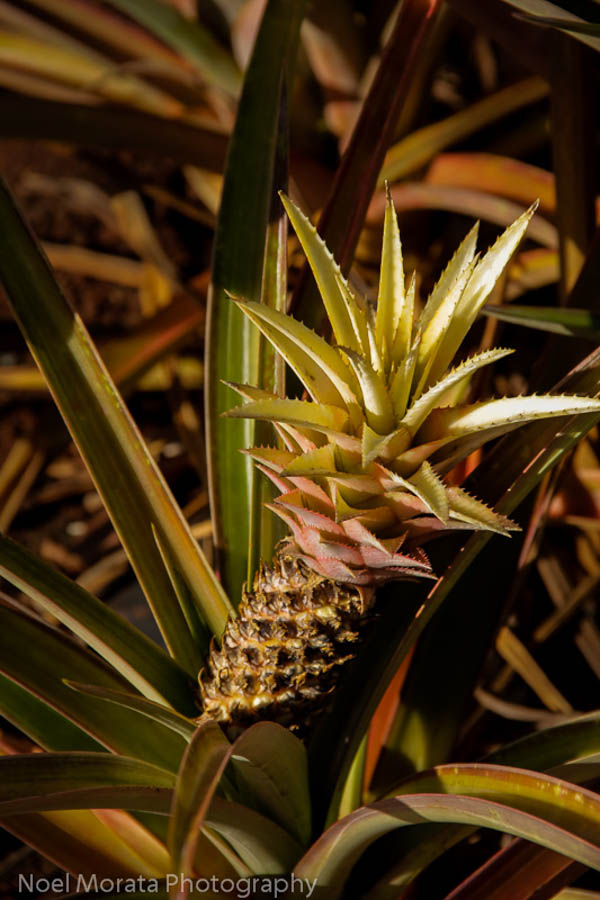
<point x="361" y="475"/>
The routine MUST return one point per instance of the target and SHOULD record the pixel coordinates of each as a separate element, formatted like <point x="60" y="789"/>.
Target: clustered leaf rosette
<point x="364" y="456"/>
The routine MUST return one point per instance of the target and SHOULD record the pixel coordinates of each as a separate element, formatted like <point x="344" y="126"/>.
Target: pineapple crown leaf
<point x="506" y="412"/>
<point x="366" y="455"/>
<point x="318" y="365"/>
<point x="327" y="275"/>
<point x="437" y="393"/>
<point x="470" y="508"/>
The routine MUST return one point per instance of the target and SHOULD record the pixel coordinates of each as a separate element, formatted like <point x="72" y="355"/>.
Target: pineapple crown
<point x="361" y="475"/>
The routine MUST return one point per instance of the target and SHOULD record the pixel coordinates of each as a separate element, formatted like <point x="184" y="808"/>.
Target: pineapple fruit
<point x="361" y="467"/>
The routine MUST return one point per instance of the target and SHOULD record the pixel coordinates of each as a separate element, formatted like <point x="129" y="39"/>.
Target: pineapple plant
<point x="361" y="467"/>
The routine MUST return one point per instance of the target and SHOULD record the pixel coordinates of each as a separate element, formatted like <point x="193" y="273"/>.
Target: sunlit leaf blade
<point x="82" y="70"/>
<point x="48" y="728"/>
<point x="502" y="176"/>
<point x="35" y="782"/>
<point x="127" y="478"/>
<point x="478" y="288"/>
<point x="509" y="411"/>
<point x="391" y="297"/>
<point x="132" y="654"/>
<point x="28" y="654"/>
<point x="190" y="39"/>
<point x="416" y="149"/>
<point x="154" y="711"/>
<point x="202" y="765"/>
<point x="296" y="412"/>
<point x="317" y="364"/>
<point x="332" y="857"/>
<point x="327" y="275"/>
<point x="421" y="408"/>
<point x="272" y="776"/>
<point x="539" y="751"/>
<point x="574" y="322"/>
<point x="238" y="261"/>
<point x="78" y="842"/>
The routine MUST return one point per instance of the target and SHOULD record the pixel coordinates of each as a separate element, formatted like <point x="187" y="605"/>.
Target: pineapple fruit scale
<point x="360" y="467"/>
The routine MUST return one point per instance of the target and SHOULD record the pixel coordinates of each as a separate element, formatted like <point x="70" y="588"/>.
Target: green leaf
<point x="333" y="856"/>
<point x="574" y="322"/>
<point x="132" y="488"/>
<point x="202" y="766"/>
<point x="296" y="412"/>
<point x="188" y="38"/>
<point x="34" y="782"/>
<point x="542" y="750"/>
<point x="238" y="263"/>
<point x="266" y="530"/>
<point x="272" y="774"/>
<point x="133" y="655"/>
<point x="155" y="711"/>
<point x="434" y="330"/>
<point x="376" y="402"/>
<point x="39" y="659"/>
<point x="552" y="746"/>
<point x="187" y="601"/>
<point x="391" y="298"/>
<point x="264" y="846"/>
<point x="79" y="842"/>
<point x="48" y="728"/>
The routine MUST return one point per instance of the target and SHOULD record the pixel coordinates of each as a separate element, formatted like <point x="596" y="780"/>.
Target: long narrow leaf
<point x="190" y="39"/>
<point x="35" y="782"/>
<point x="77" y="841"/>
<point x="202" y="766"/>
<point x="48" y="728"/>
<point x="574" y="322"/>
<point x="332" y="857"/>
<point x="39" y="659"/>
<point x="266" y="530"/>
<point x="130" y="483"/>
<point x="238" y="262"/>
<point x="132" y="654"/>
<point x="155" y="711"/>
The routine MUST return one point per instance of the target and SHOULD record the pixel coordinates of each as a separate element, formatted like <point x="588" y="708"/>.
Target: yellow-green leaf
<point x="326" y="272"/>
<point x="419" y="410"/>
<point x="390" y="299"/>
<point x="507" y="411"/>
<point x="484" y="277"/>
